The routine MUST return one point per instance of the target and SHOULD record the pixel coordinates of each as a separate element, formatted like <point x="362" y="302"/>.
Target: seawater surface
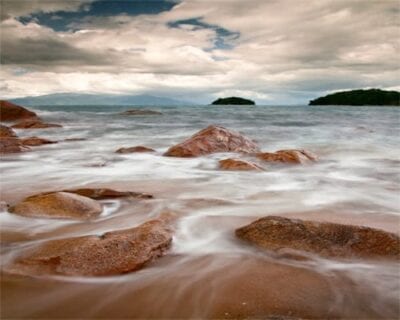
<point x="208" y="272"/>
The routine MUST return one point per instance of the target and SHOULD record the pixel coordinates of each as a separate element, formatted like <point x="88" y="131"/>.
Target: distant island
<point x="233" y="101"/>
<point x="370" y="97"/>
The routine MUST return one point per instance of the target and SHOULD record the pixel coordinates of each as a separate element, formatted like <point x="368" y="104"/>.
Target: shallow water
<point x="208" y="272"/>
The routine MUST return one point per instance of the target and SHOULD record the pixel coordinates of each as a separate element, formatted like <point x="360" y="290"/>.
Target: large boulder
<point x="36" y="141"/>
<point x="211" y="140"/>
<point x="105" y="193"/>
<point x="12" y="112"/>
<point x="61" y="205"/>
<point x="237" y="164"/>
<point x="322" y="238"/>
<point x="7" y="132"/>
<point x="12" y="145"/>
<point x="35" y="124"/>
<point x="288" y="156"/>
<point x="112" y="253"/>
<point x="135" y="149"/>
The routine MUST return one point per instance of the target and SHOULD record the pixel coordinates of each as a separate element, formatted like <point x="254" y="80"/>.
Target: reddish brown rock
<point x="12" y="145"/>
<point x="323" y="238"/>
<point x="35" y="141"/>
<point x="104" y="193"/>
<point x="237" y="164"/>
<point x="211" y="140"/>
<point x="112" y="253"/>
<point x="135" y="149"/>
<point x="35" y="124"/>
<point x="7" y="132"/>
<point x="140" y="112"/>
<point x="12" y="112"/>
<point x="287" y="156"/>
<point x="61" y="205"/>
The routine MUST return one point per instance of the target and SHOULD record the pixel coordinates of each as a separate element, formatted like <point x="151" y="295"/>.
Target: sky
<point x="271" y="51"/>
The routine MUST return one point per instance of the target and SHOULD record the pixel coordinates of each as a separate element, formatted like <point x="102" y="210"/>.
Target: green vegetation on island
<point x="233" y="101"/>
<point x="370" y="97"/>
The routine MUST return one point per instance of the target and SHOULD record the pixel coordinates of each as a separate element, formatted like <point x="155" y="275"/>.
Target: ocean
<point x="209" y="272"/>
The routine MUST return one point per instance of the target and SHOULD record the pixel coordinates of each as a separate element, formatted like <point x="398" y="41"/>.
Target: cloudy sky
<point x="273" y="51"/>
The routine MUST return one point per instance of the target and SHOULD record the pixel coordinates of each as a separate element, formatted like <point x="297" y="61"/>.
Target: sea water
<point x="208" y="272"/>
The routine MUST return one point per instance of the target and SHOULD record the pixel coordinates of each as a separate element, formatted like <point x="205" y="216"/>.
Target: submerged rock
<point x="35" y="124"/>
<point x="211" y="140"/>
<point x="237" y="164"/>
<point x="12" y="112"/>
<point x="112" y="253"/>
<point x="104" y="193"/>
<point x="12" y="145"/>
<point x="140" y="112"/>
<point x="135" y="149"/>
<point x="287" y="156"/>
<point x="323" y="238"/>
<point x="7" y="132"/>
<point x="36" y="141"/>
<point x="62" y="205"/>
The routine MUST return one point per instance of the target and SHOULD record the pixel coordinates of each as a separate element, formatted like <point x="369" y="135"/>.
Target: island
<point x="370" y="97"/>
<point x="233" y="101"/>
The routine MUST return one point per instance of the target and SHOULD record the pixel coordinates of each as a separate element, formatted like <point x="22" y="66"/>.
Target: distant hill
<point x="233" y="101"/>
<point x="371" y="97"/>
<point x="70" y="99"/>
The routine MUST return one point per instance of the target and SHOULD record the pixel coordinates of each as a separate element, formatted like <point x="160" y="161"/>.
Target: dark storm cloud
<point x="47" y="52"/>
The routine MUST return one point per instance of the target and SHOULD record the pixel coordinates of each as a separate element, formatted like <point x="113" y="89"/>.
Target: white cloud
<point x="286" y="49"/>
<point x="17" y="8"/>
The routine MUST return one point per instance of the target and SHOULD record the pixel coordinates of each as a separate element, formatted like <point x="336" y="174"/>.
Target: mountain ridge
<point x="73" y="99"/>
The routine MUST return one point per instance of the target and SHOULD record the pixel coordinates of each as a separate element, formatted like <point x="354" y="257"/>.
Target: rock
<point x="135" y="149"/>
<point x="61" y="205"/>
<point x="104" y="193"/>
<point x="140" y="112"/>
<point x="322" y="238"/>
<point x="12" y="145"/>
<point x="35" y="141"/>
<point x="237" y="164"/>
<point x="34" y="124"/>
<point x="210" y="140"/>
<point x="7" y="132"/>
<point x="112" y="253"/>
<point x="12" y="112"/>
<point x="287" y="156"/>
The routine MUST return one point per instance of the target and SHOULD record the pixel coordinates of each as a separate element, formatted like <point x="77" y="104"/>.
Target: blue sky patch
<point x="61" y="20"/>
<point x="223" y="36"/>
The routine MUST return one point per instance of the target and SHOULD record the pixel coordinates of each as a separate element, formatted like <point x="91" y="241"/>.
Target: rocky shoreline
<point x="140" y="246"/>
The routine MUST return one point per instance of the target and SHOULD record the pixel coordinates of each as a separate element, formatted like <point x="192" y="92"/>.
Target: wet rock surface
<point x="238" y="165"/>
<point x="12" y="112"/>
<point x="7" y="132"/>
<point x="36" y="141"/>
<point x="135" y="149"/>
<point x="61" y="205"/>
<point x="12" y="145"/>
<point x="322" y="238"/>
<point x="105" y="193"/>
<point x="140" y="112"/>
<point x="34" y="124"/>
<point x="112" y="253"/>
<point x="288" y="156"/>
<point x="211" y="140"/>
